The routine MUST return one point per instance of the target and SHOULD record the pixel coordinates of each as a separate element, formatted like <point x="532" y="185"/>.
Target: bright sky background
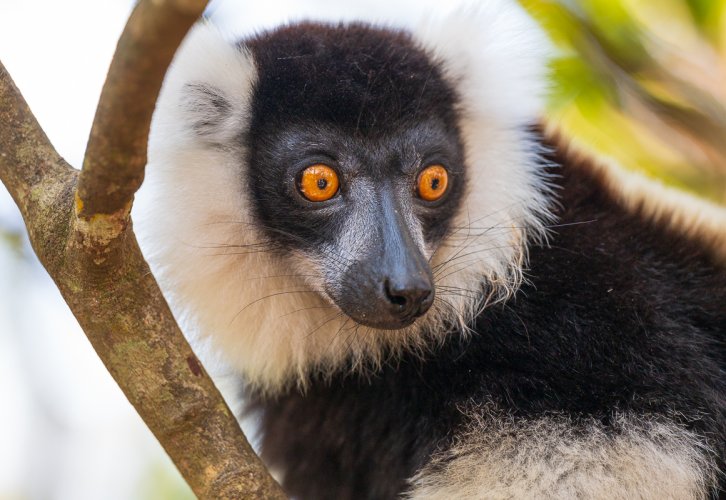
<point x="66" y="431"/>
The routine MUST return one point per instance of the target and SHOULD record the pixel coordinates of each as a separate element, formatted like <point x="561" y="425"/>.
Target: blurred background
<point x="640" y="81"/>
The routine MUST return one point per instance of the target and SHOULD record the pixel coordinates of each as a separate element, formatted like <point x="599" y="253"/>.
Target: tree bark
<point x="80" y="227"/>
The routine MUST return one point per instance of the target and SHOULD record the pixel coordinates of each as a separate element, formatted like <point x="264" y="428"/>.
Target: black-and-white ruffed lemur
<point x="426" y="293"/>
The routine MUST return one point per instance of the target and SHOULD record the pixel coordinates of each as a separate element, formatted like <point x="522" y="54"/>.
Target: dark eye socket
<point x="432" y="182"/>
<point x="318" y="182"/>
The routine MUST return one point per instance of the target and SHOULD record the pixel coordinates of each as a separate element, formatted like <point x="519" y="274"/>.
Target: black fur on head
<point x="369" y="82"/>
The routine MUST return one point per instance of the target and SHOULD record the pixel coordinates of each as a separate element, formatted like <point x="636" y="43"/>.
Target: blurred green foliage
<point x="643" y="82"/>
<point x="163" y="482"/>
<point x="13" y="239"/>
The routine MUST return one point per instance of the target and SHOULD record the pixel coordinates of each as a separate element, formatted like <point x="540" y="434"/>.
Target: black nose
<point x="410" y="300"/>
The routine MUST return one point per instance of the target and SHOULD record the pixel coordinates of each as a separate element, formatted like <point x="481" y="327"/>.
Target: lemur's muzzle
<point x="393" y="285"/>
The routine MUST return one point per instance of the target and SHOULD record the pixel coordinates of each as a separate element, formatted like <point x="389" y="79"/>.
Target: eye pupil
<point x="435" y="184"/>
<point x="322" y="184"/>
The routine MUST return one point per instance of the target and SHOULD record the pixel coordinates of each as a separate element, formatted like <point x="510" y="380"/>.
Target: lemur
<point x="426" y="292"/>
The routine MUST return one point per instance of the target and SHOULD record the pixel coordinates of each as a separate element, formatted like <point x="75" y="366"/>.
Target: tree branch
<point x="113" y="168"/>
<point x="84" y="239"/>
<point x="23" y="142"/>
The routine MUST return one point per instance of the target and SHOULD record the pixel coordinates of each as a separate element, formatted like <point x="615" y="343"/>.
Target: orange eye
<point x="432" y="182"/>
<point x="318" y="182"/>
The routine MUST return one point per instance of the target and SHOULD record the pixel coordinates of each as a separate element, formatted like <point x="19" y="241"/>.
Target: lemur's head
<point x="324" y="196"/>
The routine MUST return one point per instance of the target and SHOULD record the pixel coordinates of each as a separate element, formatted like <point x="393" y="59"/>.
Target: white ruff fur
<point x="271" y="325"/>
<point x="499" y="457"/>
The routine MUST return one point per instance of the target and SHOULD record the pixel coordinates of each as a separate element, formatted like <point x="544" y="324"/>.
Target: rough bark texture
<point x="80" y="227"/>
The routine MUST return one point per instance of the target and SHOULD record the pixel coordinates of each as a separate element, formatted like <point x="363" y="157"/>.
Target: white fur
<point x="500" y="457"/>
<point x="276" y="329"/>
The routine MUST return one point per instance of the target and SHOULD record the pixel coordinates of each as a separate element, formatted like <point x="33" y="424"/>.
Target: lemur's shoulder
<point x="693" y="221"/>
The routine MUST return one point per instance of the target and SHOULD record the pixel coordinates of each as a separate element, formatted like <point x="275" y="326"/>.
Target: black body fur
<point x="618" y="314"/>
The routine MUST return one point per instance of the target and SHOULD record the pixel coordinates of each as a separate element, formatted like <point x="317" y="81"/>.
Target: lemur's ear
<point x="207" y="90"/>
<point x="210" y="111"/>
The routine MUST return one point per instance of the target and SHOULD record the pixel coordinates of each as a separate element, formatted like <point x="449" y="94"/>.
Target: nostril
<point x="409" y="301"/>
<point x="395" y="298"/>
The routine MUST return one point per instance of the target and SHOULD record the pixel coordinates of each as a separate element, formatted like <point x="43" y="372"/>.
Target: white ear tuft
<point x="207" y="90"/>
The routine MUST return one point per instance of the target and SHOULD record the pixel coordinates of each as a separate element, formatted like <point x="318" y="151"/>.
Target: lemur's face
<point x="363" y="215"/>
<point x="356" y="165"/>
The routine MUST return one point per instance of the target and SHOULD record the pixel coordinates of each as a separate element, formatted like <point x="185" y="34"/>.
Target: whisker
<point x="341" y="259"/>
<point x="332" y="318"/>
<point x="306" y="309"/>
<point x="270" y="276"/>
<point x="468" y="254"/>
<point x="438" y="269"/>
<point x="267" y="297"/>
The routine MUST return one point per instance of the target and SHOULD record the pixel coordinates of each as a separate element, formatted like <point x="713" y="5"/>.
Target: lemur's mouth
<point x="385" y="321"/>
